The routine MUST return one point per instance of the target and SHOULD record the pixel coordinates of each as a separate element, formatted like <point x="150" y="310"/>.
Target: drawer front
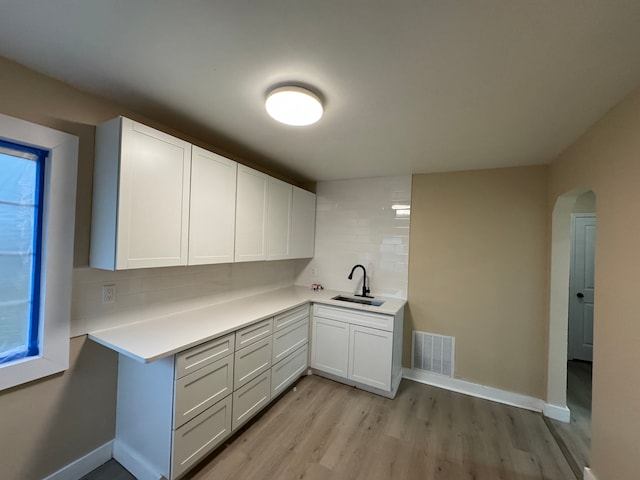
<point x="251" y="361"/>
<point x="289" y="339"/>
<point x="355" y="317"/>
<point x="288" y="370"/>
<point x="197" y="438"/>
<point x="202" y="355"/>
<point x="253" y="333"/>
<point x="199" y="390"/>
<point x="251" y="398"/>
<point x="290" y="317"/>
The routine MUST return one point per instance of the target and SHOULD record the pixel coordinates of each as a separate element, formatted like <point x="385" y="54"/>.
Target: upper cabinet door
<point x="141" y="197"/>
<point x="303" y="224"/>
<point x="278" y="219"/>
<point x="212" y="217"/>
<point x="251" y="215"/>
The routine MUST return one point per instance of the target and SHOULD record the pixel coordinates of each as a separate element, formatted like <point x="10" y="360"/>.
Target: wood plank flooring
<point x="576" y="435"/>
<point x="327" y="431"/>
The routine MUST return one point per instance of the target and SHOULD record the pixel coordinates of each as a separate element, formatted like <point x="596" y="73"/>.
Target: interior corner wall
<point x="478" y="271"/>
<point x="606" y="159"/>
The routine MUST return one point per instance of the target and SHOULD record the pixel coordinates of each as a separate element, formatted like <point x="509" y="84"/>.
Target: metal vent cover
<point x="433" y="353"/>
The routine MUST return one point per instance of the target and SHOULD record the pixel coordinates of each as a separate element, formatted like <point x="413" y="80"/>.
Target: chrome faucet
<point x="365" y="289"/>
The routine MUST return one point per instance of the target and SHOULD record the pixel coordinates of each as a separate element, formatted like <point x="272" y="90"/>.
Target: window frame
<point x="56" y="268"/>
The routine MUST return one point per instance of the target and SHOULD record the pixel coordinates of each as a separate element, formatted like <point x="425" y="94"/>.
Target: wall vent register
<point x="433" y="353"/>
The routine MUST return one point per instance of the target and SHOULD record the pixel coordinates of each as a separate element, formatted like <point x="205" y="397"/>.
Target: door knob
<point x="580" y="295"/>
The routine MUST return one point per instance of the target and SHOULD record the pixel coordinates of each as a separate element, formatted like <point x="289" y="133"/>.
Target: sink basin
<point x="362" y="301"/>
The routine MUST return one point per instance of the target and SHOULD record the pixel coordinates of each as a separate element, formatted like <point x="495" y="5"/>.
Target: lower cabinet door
<point x="198" y="437"/>
<point x="249" y="399"/>
<point x="370" y="353"/>
<point x="330" y="346"/>
<point x="285" y="372"/>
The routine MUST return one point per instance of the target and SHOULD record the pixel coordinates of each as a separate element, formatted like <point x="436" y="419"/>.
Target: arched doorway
<point x="567" y="296"/>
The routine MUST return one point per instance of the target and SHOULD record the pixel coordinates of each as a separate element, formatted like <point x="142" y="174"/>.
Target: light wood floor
<point x="325" y="430"/>
<point x="576" y="435"/>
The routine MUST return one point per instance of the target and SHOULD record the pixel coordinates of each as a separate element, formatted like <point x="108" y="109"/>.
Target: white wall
<point x="156" y="291"/>
<point x="356" y="224"/>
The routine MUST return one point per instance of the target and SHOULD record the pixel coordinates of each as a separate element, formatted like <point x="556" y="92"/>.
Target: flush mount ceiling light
<point x="295" y="106"/>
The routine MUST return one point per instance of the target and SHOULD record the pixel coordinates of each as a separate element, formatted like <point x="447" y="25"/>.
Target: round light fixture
<point x="295" y="106"/>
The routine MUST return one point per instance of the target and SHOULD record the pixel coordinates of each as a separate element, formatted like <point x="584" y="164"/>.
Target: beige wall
<point x="607" y="159"/>
<point x="54" y="421"/>
<point x="478" y="271"/>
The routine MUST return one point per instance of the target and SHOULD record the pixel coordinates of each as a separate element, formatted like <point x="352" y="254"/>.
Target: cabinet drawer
<point x="251" y="361"/>
<point x="250" y="399"/>
<point x="195" y="439"/>
<point x="287" y="318"/>
<point x="202" y="355"/>
<point x="196" y="392"/>
<point x="253" y="333"/>
<point x="289" y="339"/>
<point x="288" y="370"/>
<point x="355" y="317"/>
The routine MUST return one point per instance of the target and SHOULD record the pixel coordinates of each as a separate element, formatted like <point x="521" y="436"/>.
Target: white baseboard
<point x="84" y="465"/>
<point x="588" y="474"/>
<point x="557" y="412"/>
<point x="136" y="465"/>
<point x="475" y="390"/>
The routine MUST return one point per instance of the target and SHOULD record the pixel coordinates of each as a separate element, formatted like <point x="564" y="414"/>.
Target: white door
<point x="251" y="215"/>
<point x="370" y="356"/>
<point x="330" y="346"/>
<point x="582" y="287"/>
<point x="279" y="198"/>
<point x="303" y="223"/>
<point x="212" y="216"/>
<point x="153" y="216"/>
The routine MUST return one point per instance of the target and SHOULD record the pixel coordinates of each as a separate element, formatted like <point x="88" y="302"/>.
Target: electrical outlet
<point x="314" y="271"/>
<point x="109" y="294"/>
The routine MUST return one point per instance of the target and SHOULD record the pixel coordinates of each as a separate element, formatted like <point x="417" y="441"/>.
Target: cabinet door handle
<point x="580" y="295"/>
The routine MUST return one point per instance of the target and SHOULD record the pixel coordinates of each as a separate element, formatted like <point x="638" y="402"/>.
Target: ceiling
<point x="409" y="86"/>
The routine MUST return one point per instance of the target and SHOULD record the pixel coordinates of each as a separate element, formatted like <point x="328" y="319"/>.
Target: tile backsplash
<point x="355" y="223"/>
<point x="143" y="293"/>
<point x="361" y="221"/>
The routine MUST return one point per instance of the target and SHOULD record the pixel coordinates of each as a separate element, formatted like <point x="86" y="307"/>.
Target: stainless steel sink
<point x="362" y="301"/>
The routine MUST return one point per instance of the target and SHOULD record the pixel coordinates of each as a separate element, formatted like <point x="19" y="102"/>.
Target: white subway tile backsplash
<point x="356" y="223"/>
<point x="144" y="293"/>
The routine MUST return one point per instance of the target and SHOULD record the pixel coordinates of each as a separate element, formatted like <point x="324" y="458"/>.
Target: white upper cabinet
<point x="251" y="215"/>
<point x="158" y="201"/>
<point x="141" y="197"/>
<point x="212" y="218"/>
<point x="279" y="203"/>
<point x="303" y="224"/>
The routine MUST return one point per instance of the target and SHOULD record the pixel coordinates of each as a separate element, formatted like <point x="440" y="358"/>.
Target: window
<point x="38" y="169"/>
<point x="21" y="184"/>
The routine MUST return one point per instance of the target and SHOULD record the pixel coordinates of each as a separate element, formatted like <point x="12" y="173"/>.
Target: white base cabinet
<point x="358" y="348"/>
<point x="173" y="412"/>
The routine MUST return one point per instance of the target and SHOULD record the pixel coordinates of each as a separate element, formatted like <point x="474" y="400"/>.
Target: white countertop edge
<point x="181" y="330"/>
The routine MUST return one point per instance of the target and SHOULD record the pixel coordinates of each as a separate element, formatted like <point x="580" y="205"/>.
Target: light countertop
<point x="156" y="338"/>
